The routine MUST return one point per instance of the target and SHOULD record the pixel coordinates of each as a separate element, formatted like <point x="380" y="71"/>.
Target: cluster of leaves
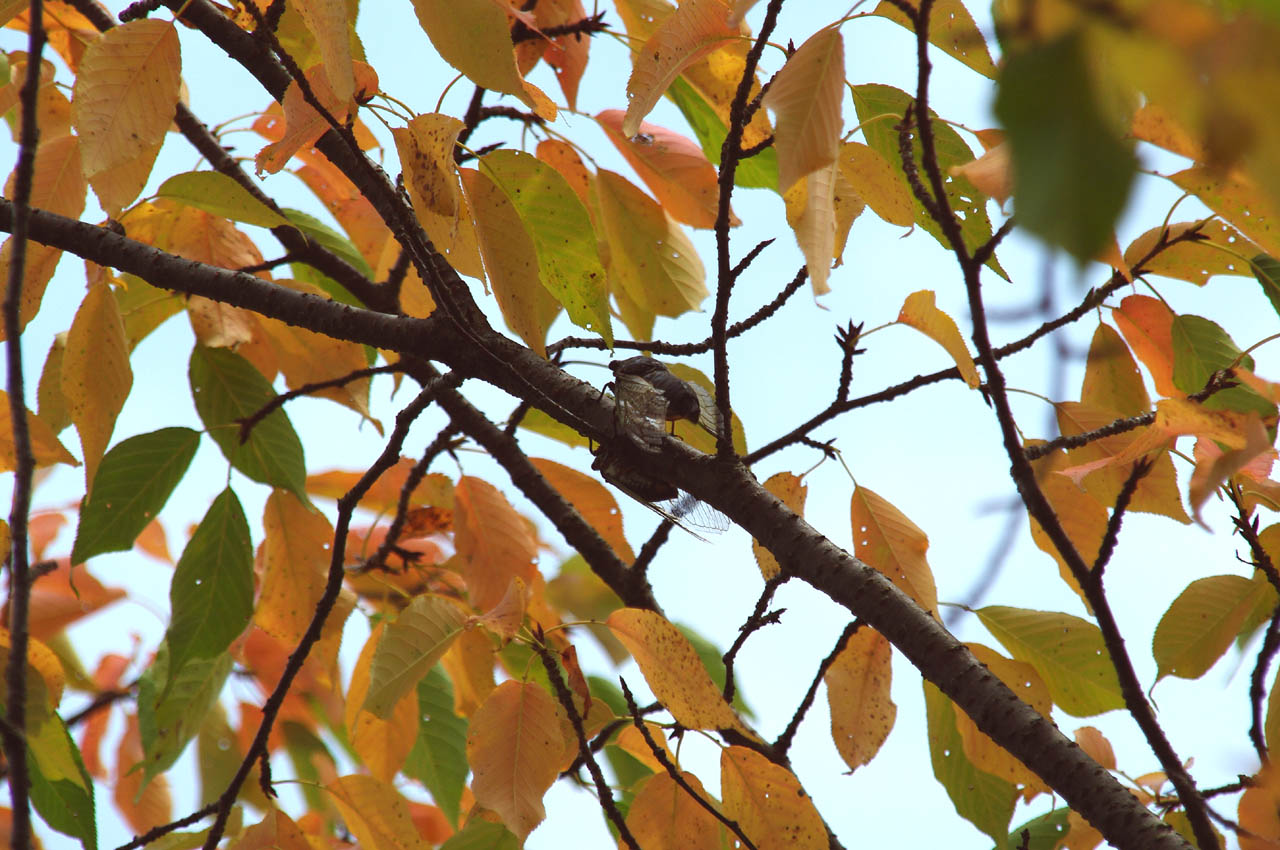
<point x="469" y="684"/>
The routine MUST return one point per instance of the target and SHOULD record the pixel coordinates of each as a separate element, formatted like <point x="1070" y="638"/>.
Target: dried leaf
<point x="805" y="98"/>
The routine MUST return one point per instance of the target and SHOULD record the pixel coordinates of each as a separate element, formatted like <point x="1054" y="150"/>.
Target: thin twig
<point x="783" y="743"/>
<point x="250" y="422"/>
<point x="754" y="623"/>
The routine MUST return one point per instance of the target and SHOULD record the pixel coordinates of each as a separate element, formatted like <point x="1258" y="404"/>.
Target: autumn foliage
<point x="468" y="700"/>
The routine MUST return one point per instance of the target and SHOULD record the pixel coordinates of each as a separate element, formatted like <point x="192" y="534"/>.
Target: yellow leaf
<point x="474" y="37"/>
<point x="1081" y="515"/>
<point x="44" y="443"/>
<point x="1111" y="377"/>
<point x="951" y="28"/>
<point x="810" y="206"/>
<point x="675" y="169"/>
<point x="45" y="675"/>
<point x="789" y="488"/>
<point x="295" y="566"/>
<point x="664" y="817"/>
<point x="1238" y="200"/>
<point x="768" y="803"/>
<point x="631" y="741"/>
<point x="991" y="173"/>
<point x="921" y="312"/>
<point x="805" y="98"/>
<point x="327" y="21"/>
<point x="276" y="831"/>
<point x="96" y="376"/>
<point x="143" y="804"/>
<point x="847" y="205"/>
<point x="493" y="542"/>
<point x="219" y="325"/>
<point x="375" y="812"/>
<point x="692" y="31"/>
<point x="125" y="95"/>
<point x="426" y="156"/>
<point x="1223" y="250"/>
<point x="37" y="271"/>
<point x="862" y="713"/>
<point x="510" y="262"/>
<point x="591" y="499"/>
<point x="514" y="745"/>
<point x="886" y="540"/>
<point x="58" y="183"/>
<point x="381" y="744"/>
<point x="985" y="754"/>
<point x="673" y="670"/>
<point x="650" y="255"/>
<point x="469" y="663"/>
<point x="877" y="183"/>
<point x="1153" y="123"/>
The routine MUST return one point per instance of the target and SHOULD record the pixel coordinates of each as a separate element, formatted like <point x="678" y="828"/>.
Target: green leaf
<point x="1046" y="832"/>
<point x="227" y="388"/>
<point x="211" y="596"/>
<point x="61" y="788"/>
<point x="1267" y="270"/>
<point x="758" y="172"/>
<point x="133" y="482"/>
<point x="540" y="423"/>
<point x="53" y="407"/>
<point x="144" y="307"/>
<point x="439" y="756"/>
<point x="306" y="750"/>
<point x="1200" y="625"/>
<point x="409" y="648"/>
<point x="1202" y="347"/>
<point x="316" y="229"/>
<point x="218" y="194"/>
<point x="560" y="227"/>
<point x="169" y="716"/>
<point x="984" y="800"/>
<point x="887" y="105"/>
<point x="1066" y="651"/>
<point x="1072" y="166"/>
<point x="481" y="834"/>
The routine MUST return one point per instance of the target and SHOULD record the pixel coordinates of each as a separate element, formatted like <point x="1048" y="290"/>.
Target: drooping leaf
<point x="474" y="37"/>
<point x="768" y="802"/>
<point x="792" y="491"/>
<point x="63" y="799"/>
<point x="295" y="566"/>
<point x="409" y="648"/>
<point x="663" y="816"/>
<point x="1200" y="625"/>
<point x="874" y="100"/>
<point x="887" y="540"/>
<point x="376" y="813"/>
<point x="1060" y="134"/>
<point x="1147" y="325"/>
<point x="52" y="404"/>
<point x="44" y="444"/>
<point x="492" y="540"/>
<point x="811" y="212"/>
<point x="439" y="756"/>
<point x="125" y="96"/>
<point x="510" y="262"/>
<point x="133" y="483"/>
<point x="211" y="596"/>
<point x="96" y="376"/>
<point x="921" y="312"/>
<point x="951" y="28"/>
<point x="649" y="254"/>
<point x="985" y="754"/>
<point x="218" y="194"/>
<point x="673" y="670"/>
<point x="171" y="709"/>
<point x="692" y="31"/>
<point x="1066" y="651"/>
<point x="984" y="800"/>
<point x="327" y="21"/>
<point x="514" y="745"/>
<point x="805" y="98"/>
<point x="862" y="712"/>
<point x="560" y="227"/>
<point x="228" y="389"/>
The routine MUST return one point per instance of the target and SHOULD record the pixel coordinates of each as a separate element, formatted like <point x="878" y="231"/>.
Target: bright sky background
<point x="936" y="454"/>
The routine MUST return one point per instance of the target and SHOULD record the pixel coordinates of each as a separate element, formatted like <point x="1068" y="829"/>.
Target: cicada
<point x="647" y="396"/>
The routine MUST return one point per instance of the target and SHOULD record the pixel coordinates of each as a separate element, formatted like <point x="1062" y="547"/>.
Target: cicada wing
<point x="692" y="511"/>
<point x="640" y="412"/>
<point x="708" y="413"/>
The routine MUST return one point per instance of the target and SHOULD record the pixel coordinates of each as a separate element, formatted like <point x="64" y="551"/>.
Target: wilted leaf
<point x="805" y="98"/>
<point x="921" y="312"/>
<point x="663" y="816"/>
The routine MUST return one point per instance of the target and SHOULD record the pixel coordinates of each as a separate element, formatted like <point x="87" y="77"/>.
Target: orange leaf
<point x="61" y="597"/>
<point x="295" y="566"/>
<point x="1111" y="377"/>
<point x="886" y="540"/>
<point x="577" y="681"/>
<point x="1259" y="812"/>
<point x="44" y="444"/>
<point x="506" y="618"/>
<point x="591" y="499"/>
<point x="805" y="98"/>
<point x="1082" y="516"/>
<point x="125" y="95"/>
<point x="563" y="158"/>
<point x="42" y="528"/>
<point x="303" y="124"/>
<point x="142" y="804"/>
<point x="510" y="262"/>
<point x="494" y="543"/>
<point x="862" y="713"/>
<point x="434" y="489"/>
<point x="791" y="490"/>
<point x="376" y="813"/>
<point x="1153" y="123"/>
<point x="111" y="669"/>
<point x="1096" y="745"/>
<point x="96" y="376"/>
<point x="1223" y="250"/>
<point x="514" y="745"/>
<point x="469" y="663"/>
<point x="1147" y="325"/>
<point x="1239" y="201"/>
<point x="921" y="312"/>
<point x="37" y="271"/>
<point x="1214" y="466"/>
<point x="664" y="817"/>
<point x="276" y="831"/>
<point x="991" y="173"/>
<point x="673" y="167"/>
<point x="692" y="31"/>
<point x="474" y="37"/>
<point x="985" y="754"/>
<point x="566" y="54"/>
<point x="673" y="670"/>
<point x="383" y="745"/>
<point x="768" y="802"/>
<point x="426" y="156"/>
